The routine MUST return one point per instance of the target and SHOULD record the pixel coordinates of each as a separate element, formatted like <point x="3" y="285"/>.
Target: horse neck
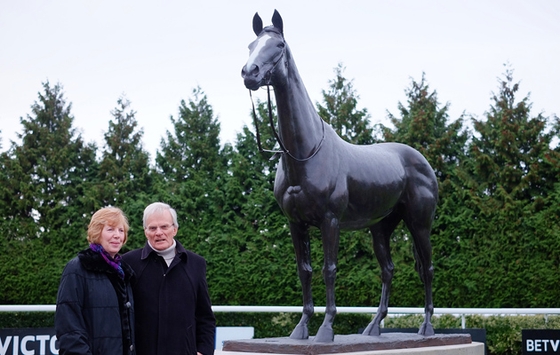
<point x="299" y="125"/>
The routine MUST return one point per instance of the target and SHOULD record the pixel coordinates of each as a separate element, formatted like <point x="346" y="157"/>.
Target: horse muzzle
<point x="252" y="77"/>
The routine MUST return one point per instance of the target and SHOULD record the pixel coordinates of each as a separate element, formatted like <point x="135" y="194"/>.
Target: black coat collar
<point x="181" y="251"/>
<point x="93" y="261"/>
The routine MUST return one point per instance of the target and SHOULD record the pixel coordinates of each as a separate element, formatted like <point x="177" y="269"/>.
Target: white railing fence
<point x="393" y="311"/>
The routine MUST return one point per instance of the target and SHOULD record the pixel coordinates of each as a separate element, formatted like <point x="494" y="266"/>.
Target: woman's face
<point x="112" y="239"/>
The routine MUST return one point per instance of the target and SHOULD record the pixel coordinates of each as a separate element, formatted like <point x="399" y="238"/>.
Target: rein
<point x="283" y="149"/>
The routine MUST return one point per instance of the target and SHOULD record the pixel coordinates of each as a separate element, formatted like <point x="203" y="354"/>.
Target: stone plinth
<point x="387" y="343"/>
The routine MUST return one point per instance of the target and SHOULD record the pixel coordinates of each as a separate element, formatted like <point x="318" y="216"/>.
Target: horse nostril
<point x="253" y="70"/>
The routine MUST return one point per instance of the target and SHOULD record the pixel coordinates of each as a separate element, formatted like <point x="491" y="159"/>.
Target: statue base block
<point x="386" y="343"/>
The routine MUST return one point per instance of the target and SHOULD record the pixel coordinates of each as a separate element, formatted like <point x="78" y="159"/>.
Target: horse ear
<point x="277" y="21"/>
<point x="257" y="24"/>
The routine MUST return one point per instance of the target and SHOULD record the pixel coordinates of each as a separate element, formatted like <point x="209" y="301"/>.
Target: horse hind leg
<point x="420" y="226"/>
<point x="381" y="234"/>
<point x="300" y="239"/>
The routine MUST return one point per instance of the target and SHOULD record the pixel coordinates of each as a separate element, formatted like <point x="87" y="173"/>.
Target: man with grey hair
<point x="172" y="303"/>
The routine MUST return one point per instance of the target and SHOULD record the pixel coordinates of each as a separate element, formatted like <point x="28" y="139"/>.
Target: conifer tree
<point x="125" y="179"/>
<point x="242" y="239"/>
<point x="341" y="112"/>
<point x="45" y="199"/>
<point x="192" y="167"/>
<point x="425" y="125"/>
<point x="511" y="152"/>
<point x="253" y="229"/>
<point x="194" y="146"/>
<point x="54" y="161"/>
<point x="507" y="185"/>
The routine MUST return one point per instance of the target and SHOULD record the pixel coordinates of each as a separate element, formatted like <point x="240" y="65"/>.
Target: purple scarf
<point x="115" y="262"/>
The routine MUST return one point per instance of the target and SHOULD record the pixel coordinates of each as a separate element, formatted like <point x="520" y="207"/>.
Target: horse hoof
<point x="372" y="330"/>
<point x="426" y="329"/>
<point x="324" y="335"/>
<point x="300" y="332"/>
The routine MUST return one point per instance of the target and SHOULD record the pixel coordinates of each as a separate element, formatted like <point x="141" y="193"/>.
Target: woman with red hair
<point x="94" y="307"/>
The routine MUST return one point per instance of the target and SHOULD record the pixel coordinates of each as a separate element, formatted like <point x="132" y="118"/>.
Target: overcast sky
<point x="156" y="52"/>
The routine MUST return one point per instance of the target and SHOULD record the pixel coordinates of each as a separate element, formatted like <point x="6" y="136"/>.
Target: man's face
<point x="160" y="230"/>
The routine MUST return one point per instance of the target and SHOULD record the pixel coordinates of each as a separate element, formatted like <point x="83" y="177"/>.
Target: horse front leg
<point x="330" y="233"/>
<point x="300" y="239"/>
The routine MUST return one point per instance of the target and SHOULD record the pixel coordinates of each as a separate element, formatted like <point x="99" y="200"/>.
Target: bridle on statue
<point x="283" y="149"/>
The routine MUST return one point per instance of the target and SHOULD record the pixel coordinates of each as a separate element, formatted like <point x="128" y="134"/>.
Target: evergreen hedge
<point x="495" y="238"/>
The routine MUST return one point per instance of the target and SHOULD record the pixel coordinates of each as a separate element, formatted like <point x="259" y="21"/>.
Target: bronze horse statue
<point x="325" y="182"/>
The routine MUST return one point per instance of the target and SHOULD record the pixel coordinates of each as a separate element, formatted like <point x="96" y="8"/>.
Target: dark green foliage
<point x="357" y="269"/>
<point x="495" y="238"/>
<point x="505" y="251"/>
<point x="251" y="246"/>
<point x="47" y="171"/>
<point x="192" y="170"/>
<point x="125" y="179"/>
<point x="194" y="145"/>
<point x="426" y="126"/>
<point x="511" y="152"/>
<point x="45" y="198"/>
<point x="341" y="112"/>
<point x="26" y="319"/>
<point x="124" y="164"/>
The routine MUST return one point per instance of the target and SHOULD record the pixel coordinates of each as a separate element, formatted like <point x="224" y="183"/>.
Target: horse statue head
<point x="265" y="52"/>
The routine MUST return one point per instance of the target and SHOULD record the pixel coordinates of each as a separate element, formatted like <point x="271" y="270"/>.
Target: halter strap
<point x="280" y="142"/>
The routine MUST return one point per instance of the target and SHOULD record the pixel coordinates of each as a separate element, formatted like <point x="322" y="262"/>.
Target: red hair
<point x="111" y="216"/>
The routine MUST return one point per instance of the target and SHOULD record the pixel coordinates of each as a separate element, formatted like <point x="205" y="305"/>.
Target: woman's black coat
<point x="94" y="308"/>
